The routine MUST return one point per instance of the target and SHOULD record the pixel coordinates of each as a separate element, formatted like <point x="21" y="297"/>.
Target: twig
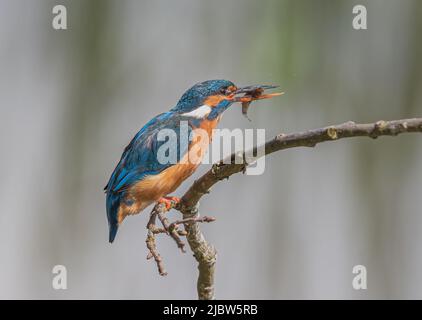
<point x="162" y="230"/>
<point x="191" y="220"/>
<point x="153" y="253"/>
<point x="161" y="213"/>
<point x="170" y="229"/>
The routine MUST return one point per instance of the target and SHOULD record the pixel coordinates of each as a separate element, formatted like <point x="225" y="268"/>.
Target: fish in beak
<point x="252" y="93"/>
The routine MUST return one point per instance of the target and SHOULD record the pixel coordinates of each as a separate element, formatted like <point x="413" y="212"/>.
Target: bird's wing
<point x="140" y="156"/>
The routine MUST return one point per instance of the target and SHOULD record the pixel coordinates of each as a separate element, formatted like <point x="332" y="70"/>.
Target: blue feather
<point x="138" y="160"/>
<point x="219" y="109"/>
<point x="112" y="204"/>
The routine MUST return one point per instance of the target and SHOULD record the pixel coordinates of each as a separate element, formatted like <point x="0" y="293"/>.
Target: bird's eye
<point x="224" y="91"/>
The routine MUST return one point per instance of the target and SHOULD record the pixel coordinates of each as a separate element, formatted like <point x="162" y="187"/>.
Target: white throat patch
<point x="199" y="113"/>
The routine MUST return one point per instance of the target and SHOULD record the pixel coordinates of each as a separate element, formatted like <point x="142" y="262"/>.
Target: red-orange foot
<point x="169" y="202"/>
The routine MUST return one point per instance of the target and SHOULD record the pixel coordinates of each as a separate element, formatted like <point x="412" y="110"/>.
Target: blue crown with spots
<point x="195" y="96"/>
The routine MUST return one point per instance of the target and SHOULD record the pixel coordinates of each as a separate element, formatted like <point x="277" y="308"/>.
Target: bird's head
<point x="209" y="99"/>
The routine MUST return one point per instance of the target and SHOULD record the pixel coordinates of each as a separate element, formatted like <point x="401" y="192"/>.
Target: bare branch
<point x="168" y="228"/>
<point x="308" y="138"/>
<point x="153" y="253"/>
<point x="159" y="211"/>
<point x="171" y="231"/>
<point x="191" y="220"/>
<point x="205" y="253"/>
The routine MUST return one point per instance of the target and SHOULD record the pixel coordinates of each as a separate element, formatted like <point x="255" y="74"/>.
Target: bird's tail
<point x="112" y="232"/>
<point x="113" y="203"/>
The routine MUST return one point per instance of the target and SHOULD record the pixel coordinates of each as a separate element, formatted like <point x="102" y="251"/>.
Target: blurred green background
<point x="71" y="100"/>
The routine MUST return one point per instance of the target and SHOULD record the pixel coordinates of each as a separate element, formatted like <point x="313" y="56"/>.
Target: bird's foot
<point x="176" y="200"/>
<point x="169" y="202"/>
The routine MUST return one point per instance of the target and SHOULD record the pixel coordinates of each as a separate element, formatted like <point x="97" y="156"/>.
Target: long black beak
<point x="254" y="88"/>
<point x="252" y="93"/>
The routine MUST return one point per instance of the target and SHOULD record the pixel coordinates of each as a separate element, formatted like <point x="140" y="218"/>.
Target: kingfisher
<point x="141" y="179"/>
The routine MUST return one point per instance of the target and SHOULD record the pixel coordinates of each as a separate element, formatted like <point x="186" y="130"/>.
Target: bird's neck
<point x="218" y="110"/>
